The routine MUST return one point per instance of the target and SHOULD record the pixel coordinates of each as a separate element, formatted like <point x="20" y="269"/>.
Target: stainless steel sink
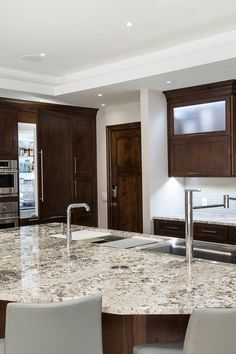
<point x="106" y="239"/>
<point x="203" y="250"/>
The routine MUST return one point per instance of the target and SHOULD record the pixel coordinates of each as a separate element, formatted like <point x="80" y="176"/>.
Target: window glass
<point x="200" y="118"/>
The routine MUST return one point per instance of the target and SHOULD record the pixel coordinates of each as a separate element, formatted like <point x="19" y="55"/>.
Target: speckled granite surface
<point x="206" y="219"/>
<point x="35" y="267"/>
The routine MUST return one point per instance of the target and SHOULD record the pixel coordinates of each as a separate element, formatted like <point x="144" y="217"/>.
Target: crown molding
<point x="199" y="52"/>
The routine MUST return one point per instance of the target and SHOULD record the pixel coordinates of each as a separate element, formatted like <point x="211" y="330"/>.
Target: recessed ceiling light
<point x="32" y="57"/>
<point x="168" y="82"/>
<point x="129" y="24"/>
<point x="42" y="54"/>
<point x="99" y="94"/>
<point x="103" y="104"/>
<point x="41" y="100"/>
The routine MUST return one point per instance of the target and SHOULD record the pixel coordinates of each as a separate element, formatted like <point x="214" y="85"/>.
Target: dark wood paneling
<point x="121" y="333"/>
<point x="8" y="133"/>
<point x="84" y="169"/>
<point x="54" y="141"/>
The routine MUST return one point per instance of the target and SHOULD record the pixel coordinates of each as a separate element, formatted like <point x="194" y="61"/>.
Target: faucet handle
<point x="192" y="190"/>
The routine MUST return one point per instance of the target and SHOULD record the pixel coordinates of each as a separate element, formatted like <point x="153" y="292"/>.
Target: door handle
<point x="42" y="175"/>
<point x="75" y="165"/>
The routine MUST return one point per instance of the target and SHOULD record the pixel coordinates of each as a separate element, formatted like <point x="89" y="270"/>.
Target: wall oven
<point x="8" y="214"/>
<point x="8" y="178"/>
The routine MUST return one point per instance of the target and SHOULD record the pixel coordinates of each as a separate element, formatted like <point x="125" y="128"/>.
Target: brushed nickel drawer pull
<point x="172" y="227"/>
<point x="208" y="231"/>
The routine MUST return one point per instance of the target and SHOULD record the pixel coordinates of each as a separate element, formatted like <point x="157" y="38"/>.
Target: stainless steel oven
<point x="9" y="214"/>
<point x="8" y="178"/>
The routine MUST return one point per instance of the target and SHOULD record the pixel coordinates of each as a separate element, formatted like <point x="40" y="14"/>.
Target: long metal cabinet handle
<point x="42" y="175"/>
<point x="75" y="165"/>
<point x="75" y="184"/>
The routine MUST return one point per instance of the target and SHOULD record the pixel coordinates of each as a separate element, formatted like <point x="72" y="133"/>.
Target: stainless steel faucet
<point x="70" y="207"/>
<point x="189" y="218"/>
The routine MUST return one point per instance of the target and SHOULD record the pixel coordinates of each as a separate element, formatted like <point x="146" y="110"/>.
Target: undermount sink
<point x="203" y="250"/>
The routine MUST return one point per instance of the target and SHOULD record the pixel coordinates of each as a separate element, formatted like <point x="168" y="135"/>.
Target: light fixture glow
<point x="168" y="82"/>
<point x="103" y="104"/>
<point x="129" y="24"/>
<point x="99" y="94"/>
<point x="42" y="54"/>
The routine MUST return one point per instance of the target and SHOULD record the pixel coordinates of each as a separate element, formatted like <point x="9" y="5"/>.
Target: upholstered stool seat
<point x="162" y="348"/>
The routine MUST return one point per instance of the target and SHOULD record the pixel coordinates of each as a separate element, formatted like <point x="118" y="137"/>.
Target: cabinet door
<point x="206" y="156"/>
<point x="8" y="132"/>
<point x="54" y="165"/>
<point x="84" y="169"/>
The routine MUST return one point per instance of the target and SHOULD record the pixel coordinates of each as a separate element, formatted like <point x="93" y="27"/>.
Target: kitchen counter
<point x="206" y="219"/>
<point x="36" y="267"/>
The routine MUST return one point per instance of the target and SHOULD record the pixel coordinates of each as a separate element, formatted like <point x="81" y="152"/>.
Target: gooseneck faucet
<point x="189" y="219"/>
<point x="70" y="207"/>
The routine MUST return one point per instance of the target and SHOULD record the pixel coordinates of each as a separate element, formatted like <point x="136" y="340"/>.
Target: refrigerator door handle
<point x="42" y="176"/>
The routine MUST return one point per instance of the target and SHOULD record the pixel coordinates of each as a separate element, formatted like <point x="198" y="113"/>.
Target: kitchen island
<point x="146" y="297"/>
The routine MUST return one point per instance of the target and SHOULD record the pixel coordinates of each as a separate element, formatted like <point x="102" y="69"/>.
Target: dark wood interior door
<point x="54" y="147"/>
<point x="124" y="177"/>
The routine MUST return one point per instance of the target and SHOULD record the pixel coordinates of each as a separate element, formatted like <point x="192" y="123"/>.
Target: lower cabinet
<point x="202" y="232"/>
<point x="232" y="235"/>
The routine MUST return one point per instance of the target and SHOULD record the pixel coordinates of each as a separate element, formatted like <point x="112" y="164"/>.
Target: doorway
<point x="124" y="167"/>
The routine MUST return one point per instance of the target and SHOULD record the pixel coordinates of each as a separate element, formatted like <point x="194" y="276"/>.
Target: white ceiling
<point x="89" y="48"/>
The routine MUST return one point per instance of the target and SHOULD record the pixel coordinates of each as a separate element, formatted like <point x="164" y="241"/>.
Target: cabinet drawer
<point x="232" y="235"/>
<point x="212" y="233"/>
<point x="169" y="228"/>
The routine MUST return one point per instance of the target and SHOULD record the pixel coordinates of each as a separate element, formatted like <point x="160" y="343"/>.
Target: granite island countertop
<point x="36" y="267"/>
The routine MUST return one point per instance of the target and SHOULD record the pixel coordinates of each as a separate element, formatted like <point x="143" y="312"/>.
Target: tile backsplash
<point x="213" y="189"/>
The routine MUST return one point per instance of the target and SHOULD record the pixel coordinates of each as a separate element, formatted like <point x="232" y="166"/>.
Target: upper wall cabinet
<point x="8" y="133"/>
<point x="201" y="130"/>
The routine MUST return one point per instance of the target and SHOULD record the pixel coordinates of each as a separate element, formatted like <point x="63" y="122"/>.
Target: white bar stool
<point x="210" y="331"/>
<point x="71" y="327"/>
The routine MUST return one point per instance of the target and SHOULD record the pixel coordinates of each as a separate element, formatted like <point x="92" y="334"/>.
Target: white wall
<point x="112" y="115"/>
<point x="161" y="195"/>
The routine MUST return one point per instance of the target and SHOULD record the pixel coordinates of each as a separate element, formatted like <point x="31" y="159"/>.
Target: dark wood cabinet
<point x="169" y="228"/>
<point x="66" y="160"/>
<point x="54" y="161"/>
<point x="84" y="169"/>
<point x="201" y="130"/>
<point x="202" y="231"/>
<point x="211" y="233"/>
<point x="8" y="133"/>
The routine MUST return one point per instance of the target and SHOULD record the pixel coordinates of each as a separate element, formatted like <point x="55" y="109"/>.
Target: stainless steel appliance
<point x="8" y="214"/>
<point x="8" y="178"/>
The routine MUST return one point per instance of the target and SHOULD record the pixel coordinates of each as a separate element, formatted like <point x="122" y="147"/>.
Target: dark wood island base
<point x="122" y="332"/>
